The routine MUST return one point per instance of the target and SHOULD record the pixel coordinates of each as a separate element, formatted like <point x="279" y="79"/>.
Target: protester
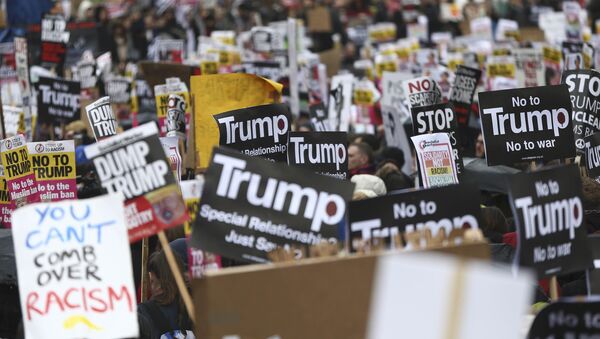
<point x="360" y="159"/>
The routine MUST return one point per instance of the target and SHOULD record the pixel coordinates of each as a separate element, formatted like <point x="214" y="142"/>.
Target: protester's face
<point x="356" y="158"/>
<point x="479" y="149"/>
<point x="154" y="284"/>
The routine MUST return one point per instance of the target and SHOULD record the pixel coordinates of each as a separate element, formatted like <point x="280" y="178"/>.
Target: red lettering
<point x="113" y="296"/>
<point x="99" y="300"/>
<point x="53" y="296"/>
<point x="412" y="87"/>
<point x="32" y="298"/>
<point x="67" y="294"/>
<point x="84" y="299"/>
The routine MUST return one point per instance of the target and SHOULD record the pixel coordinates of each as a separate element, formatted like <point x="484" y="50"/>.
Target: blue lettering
<point x="28" y="242"/>
<point x="99" y="227"/>
<point x="72" y="233"/>
<point x="62" y="213"/>
<point x="42" y="214"/>
<point x="87" y="213"/>
<point x="54" y="233"/>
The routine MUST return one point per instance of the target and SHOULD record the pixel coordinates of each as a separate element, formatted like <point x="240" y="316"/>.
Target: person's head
<point x="368" y="182"/>
<point x="479" y="147"/>
<point x="359" y="155"/>
<point x="392" y="155"/>
<point x="493" y="223"/>
<point x="162" y="282"/>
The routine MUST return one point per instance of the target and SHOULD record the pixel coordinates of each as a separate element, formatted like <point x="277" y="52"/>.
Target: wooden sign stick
<point x="185" y="294"/>
<point x="144" y="280"/>
<point x="553" y="288"/>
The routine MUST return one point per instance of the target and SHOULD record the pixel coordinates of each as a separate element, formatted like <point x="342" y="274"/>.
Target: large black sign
<point x="584" y="87"/>
<point x="54" y="38"/>
<point x="256" y="131"/>
<point x="527" y="124"/>
<point x="58" y="100"/>
<point x="433" y="208"/>
<point x="548" y="212"/>
<point x="567" y="320"/>
<point x="462" y="92"/>
<point x="439" y="118"/>
<point x="318" y="118"/>
<point x="250" y="206"/>
<point x="322" y="152"/>
<point x="592" y="155"/>
<point x="593" y="274"/>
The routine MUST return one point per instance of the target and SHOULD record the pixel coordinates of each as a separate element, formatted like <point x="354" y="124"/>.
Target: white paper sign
<point x="74" y="269"/>
<point x="436" y="160"/>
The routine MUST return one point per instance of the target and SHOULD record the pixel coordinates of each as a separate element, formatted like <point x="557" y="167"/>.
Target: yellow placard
<point x="552" y="54"/>
<point x="218" y="93"/>
<point x="192" y="206"/>
<point x="209" y="67"/>
<point x="363" y="97"/>
<point x="503" y="70"/>
<point x="51" y="166"/>
<point x="389" y="66"/>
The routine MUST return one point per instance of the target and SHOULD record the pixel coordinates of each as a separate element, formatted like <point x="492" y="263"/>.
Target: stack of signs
<point x="322" y="152"/>
<point x="53" y="163"/>
<point x="18" y="171"/>
<point x="548" y="213"/>
<point x="134" y="164"/>
<point x="527" y="124"/>
<point x="584" y="86"/>
<point x="434" y="208"/>
<point x="54" y="42"/>
<point x="436" y="159"/>
<point x="8" y="70"/>
<point x="340" y="101"/>
<point x="439" y="118"/>
<point x="118" y="88"/>
<point x="256" y="131"/>
<point x="74" y="265"/>
<point x="58" y="100"/>
<point x="462" y="91"/>
<point x="6" y="205"/>
<point x="422" y="91"/>
<point x="567" y="319"/>
<point x="592" y="155"/>
<point x="251" y="206"/>
<point x="318" y="118"/>
<point x="162" y="92"/>
<point x="101" y="118"/>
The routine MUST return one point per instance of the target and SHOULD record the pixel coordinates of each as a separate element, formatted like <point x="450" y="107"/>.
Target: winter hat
<point x="369" y="182"/>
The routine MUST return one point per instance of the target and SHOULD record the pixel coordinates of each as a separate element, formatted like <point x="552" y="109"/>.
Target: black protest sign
<point x="567" y="320"/>
<point x="593" y="274"/>
<point x="250" y="206"/>
<point x="54" y="42"/>
<point x="548" y="211"/>
<point x="592" y="155"/>
<point x="462" y="92"/>
<point x="83" y="37"/>
<point x="584" y="87"/>
<point x="526" y="124"/>
<point x="256" y="131"/>
<point x="118" y="88"/>
<point x="58" y="100"/>
<point x="318" y="118"/>
<point x="86" y="74"/>
<point x="433" y="208"/>
<point x="322" y="152"/>
<point x="439" y="118"/>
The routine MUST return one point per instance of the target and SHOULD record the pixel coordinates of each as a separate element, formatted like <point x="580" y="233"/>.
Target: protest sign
<point x="169" y="50"/>
<point x="396" y="135"/>
<point x="422" y="91"/>
<point x="526" y="124"/>
<point x="322" y="152"/>
<point x="13" y="120"/>
<point x="101" y="118"/>
<point x="593" y="273"/>
<point x="436" y="159"/>
<point x="439" y="118"/>
<point x="318" y="118"/>
<point x="238" y="222"/>
<point x="118" y="88"/>
<point x="53" y="163"/>
<point x="548" y="213"/>
<point x="501" y="72"/>
<point x="18" y="171"/>
<point x="592" y="155"/>
<point x="74" y="265"/>
<point x="86" y="74"/>
<point x="134" y="164"/>
<point x="433" y="208"/>
<point x="267" y="69"/>
<point x="552" y="64"/>
<point x="6" y="205"/>
<point x="171" y="147"/>
<point x="167" y="109"/>
<point x="54" y="42"/>
<point x="340" y="101"/>
<point x="83" y="37"/>
<point x="392" y="89"/>
<point x="567" y="319"/>
<point x="58" y="100"/>
<point x="22" y="68"/>
<point x="584" y="87"/>
<point x="256" y="131"/>
<point x="462" y="92"/>
<point x="8" y="67"/>
<point x="530" y="67"/>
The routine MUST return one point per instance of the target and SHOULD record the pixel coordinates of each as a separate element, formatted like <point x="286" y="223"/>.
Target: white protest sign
<point x="74" y="269"/>
<point x="436" y="160"/>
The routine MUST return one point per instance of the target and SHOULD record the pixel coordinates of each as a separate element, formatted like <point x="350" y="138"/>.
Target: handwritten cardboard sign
<point x="74" y="269"/>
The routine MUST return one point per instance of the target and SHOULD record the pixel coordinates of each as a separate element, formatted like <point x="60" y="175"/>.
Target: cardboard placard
<point x="318" y="118"/>
<point x="173" y="86"/>
<point x="567" y="319"/>
<point x="53" y="163"/>
<point x="54" y="41"/>
<point x="319" y="20"/>
<point x="8" y="67"/>
<point x="169" y="50"/>
<point x="592" y="155"/>
<point x="396" y="135"/>
<point x="340" y="101"/>
<point x="19" y="171"/>
<point x="74" y="265"/>
<point x="548" y="211"/>
<point x="422" y="91"/>
<point x="134" y="164"/>
<point x="322" y="152"/>
<point x="22" y="68"/>
<point x="584" y="87"/>
<point x="462" y="92"/>
<point x="552" y="64"/>
<point x="257" y="131"/>
<point x="439" y="118"/>
<point x="393" y="91"/>
<point x="238" y="222"/>
<point x="527" y="124"/>
<point x="530" y="67"/>
<point x="118" y="88"/>
<point x="58" y="100"/>
<point x="436" y="159"/>
<point x="176" y="116"/>
<point x="6" y="205"/>
<point x="434" y="208"/>
<point x="267" y="69"/>
<point x="86" y="74"/>
<point x="101" y="118"/>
